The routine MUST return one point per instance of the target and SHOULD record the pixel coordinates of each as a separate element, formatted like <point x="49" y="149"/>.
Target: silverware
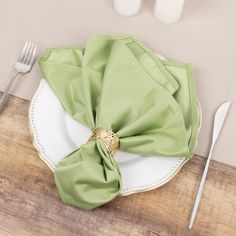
<point x="22" y="66"/>
<point x="218" y="123"/>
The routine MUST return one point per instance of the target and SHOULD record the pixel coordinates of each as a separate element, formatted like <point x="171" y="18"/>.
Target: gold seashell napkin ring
<point x="109" y="138"/>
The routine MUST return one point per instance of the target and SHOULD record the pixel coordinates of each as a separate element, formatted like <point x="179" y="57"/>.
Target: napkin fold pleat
<point x="103" y="174"/>
<point x="118" y="84"/>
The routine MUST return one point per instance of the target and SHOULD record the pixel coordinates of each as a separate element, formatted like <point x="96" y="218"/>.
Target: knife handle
<point x="200" y="188"/>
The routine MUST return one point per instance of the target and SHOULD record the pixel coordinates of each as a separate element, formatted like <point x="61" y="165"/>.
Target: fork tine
<point x="23" y="51"/>
<point x="30" y="54"/>
<point x="33" y="55"/>
<point x="27" y="53"/>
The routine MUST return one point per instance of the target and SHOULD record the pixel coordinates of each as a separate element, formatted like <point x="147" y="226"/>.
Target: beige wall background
<point x="206" y="37"/>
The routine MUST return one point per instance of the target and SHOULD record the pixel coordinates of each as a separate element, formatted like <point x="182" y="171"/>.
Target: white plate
<point x="55" y="134"/>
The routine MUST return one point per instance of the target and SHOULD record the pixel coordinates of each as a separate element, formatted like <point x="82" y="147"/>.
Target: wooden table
<point x="29" y="203"/>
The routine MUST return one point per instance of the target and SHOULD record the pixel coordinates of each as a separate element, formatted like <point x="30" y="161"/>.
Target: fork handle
<point x="4" y="97"/>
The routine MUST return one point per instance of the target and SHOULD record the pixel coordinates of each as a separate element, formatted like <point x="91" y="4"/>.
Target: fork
<point x="22" y="66"/>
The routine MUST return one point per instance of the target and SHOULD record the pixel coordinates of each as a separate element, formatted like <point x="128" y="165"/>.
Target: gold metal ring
<point x="109" y="138"/>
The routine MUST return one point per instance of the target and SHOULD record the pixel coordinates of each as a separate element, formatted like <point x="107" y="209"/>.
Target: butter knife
<point x="218" y="123"/>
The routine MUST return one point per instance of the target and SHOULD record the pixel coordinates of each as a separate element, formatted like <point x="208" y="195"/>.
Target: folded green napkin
<point x="116" y="84"/>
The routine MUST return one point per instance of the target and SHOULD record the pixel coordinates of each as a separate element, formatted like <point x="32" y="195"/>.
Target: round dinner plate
<point x="55" y="135"/>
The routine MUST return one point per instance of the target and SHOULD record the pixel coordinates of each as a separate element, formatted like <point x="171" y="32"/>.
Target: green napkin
<point x="118" y="84"/>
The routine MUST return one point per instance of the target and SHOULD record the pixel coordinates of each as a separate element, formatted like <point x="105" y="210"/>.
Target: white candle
<point x="127" y="7"/>
<point x="168" y="11"/>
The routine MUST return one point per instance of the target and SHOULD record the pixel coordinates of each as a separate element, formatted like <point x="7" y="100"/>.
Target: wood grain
<point x="29" y="203"/>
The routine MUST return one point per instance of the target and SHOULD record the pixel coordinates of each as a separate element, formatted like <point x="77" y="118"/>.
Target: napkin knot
<point x="109" y="138"/>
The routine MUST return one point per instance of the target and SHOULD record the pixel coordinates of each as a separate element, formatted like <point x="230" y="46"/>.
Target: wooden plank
<point x="29" y="203"/>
